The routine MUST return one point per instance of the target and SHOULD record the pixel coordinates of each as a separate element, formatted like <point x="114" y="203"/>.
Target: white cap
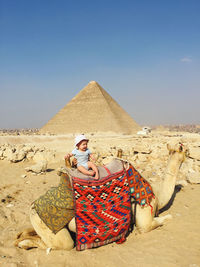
<point x="79" y="138"/>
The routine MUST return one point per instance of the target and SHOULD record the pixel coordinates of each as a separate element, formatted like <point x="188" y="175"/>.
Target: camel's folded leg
<point x="60" y="240"/>
<point x="72" y="225"/>
<point x="26" y="232"/>
<point x="145" y="220"/>
<point x="158" y="221"/>
<point x="28" y="238"/>
<point x="27" y="242"/>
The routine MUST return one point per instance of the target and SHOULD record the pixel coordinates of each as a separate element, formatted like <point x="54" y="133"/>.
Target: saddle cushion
<point x="114" y="166"/>
<point x="55" y="207"/>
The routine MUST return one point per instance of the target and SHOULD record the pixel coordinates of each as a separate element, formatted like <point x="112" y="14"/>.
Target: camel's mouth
<point x="187" y="153"/>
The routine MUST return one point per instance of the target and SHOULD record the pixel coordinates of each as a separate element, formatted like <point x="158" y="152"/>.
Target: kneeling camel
<point x="145" y="217"/>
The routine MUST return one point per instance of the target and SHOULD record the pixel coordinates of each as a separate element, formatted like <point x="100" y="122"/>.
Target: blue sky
<point x="145" y="54"/>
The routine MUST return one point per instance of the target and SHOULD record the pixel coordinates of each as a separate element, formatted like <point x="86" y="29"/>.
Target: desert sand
<point x="175" y="244"/>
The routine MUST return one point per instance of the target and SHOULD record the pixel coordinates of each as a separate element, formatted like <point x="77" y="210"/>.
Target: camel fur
<point x="145" y="219"/>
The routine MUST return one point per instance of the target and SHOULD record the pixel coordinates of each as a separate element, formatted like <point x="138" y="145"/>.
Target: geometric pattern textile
<point x="140" y="189"/>
<point x="102" y="210"/>
<point x="56" y="207"/>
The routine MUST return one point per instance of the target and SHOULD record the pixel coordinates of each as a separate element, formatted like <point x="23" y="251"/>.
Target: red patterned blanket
<point x="140" y="189"/>
<point x="103" y="207"/>
<point x="103" y="210"/>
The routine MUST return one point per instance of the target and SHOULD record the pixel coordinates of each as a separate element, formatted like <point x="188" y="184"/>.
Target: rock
<point x="142" y="157"/>
<point x="193" y="177"/>
<point x="141" y="149"/>
<point x="28" y="149"/>
<point x="44" y="155"/>
<point x="197" y="162"/>
<point x="9" y="206"/>
<point x="48" y="251"/>
<point x="8" y="153"/>
<point x="23" y="175"/>
<point x="194" y="153"/>
<point x="1" y="153"/>
<point x="16" y="153"/>
<point x="146" y="173"/>
<point x="187" y="165"/>
<point x="17" y="156"/>
<point x="191" y="170"/>
<point x="30" y="155"/>
<point x="12" y="153"/>
<point x="39" y="167"/>
<point x="106" y="160"/>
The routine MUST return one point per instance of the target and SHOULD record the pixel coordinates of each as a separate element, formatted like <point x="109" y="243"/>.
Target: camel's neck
<point x="167" y="184"/>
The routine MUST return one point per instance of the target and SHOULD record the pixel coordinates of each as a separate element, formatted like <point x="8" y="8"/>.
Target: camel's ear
<point x="169" y="147"/>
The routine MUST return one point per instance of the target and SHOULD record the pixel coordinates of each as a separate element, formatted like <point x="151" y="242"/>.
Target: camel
<point x="145" y="216"/>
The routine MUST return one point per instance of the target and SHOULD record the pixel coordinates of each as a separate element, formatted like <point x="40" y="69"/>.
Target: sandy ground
<point x="176" y="244"/>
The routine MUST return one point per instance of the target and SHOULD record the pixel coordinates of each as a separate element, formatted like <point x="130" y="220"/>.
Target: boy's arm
<point x="68" y="156"/>
<point x="92" y="157"/>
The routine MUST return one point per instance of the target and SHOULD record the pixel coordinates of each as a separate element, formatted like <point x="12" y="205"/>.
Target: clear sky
<point x="144" y="53"/>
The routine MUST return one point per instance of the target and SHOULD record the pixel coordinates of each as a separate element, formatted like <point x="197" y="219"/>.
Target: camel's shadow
<point x="50" y="170"/>
<point x="176" y="190"/>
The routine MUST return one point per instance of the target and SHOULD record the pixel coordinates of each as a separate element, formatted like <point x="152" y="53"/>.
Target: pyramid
<point x="91" y="110"/>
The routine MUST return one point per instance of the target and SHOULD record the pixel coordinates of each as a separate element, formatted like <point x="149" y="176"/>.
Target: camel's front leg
<point x="60" y="240"/>
<point x="145" y="220"/>
<point x="158" y="221"/>
<point x="26" y="241"/>
<point x="72" y="225"/>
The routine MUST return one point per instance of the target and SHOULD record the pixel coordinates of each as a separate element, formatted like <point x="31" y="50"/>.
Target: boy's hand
<point x="67" y="156"/>
<point x="74" y="162"/>
<point x="92" y="157"/>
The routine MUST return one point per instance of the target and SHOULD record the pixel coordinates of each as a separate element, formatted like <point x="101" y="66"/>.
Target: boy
<point x="83" y="155"/>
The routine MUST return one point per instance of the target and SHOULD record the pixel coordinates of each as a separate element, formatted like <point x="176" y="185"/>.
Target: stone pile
<point x="17" y="153"/>
<point x="4" y="132"/>
<point x="151" y="160"/>
<point x="192" y="165"/>
<point x="148" y="157"/>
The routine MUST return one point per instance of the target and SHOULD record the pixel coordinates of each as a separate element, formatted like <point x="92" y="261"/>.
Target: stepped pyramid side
<point x="91" y="110"/>
<point x="122" y="117"/>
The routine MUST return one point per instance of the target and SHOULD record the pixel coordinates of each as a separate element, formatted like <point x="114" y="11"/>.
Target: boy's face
<point x="83" y="145"/>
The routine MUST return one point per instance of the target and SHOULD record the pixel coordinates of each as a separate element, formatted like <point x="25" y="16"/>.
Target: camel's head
<point x="179" y="148"/>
